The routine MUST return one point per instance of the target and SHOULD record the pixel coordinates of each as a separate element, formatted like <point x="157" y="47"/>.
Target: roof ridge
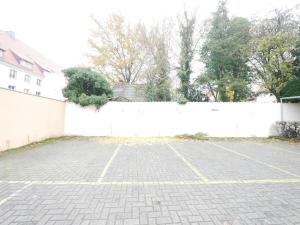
<point x="26" y="52"/>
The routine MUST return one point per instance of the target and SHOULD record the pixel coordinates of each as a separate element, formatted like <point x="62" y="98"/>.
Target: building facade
<point x="24" y="70"/>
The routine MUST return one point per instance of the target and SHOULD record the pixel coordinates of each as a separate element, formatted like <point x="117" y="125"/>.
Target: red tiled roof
<point x="15" y="50"/>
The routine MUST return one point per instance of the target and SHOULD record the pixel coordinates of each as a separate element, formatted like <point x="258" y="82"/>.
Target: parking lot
<point x="85" y="181"/>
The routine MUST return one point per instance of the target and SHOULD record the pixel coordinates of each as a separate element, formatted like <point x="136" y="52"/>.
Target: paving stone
<point x="147" y="204"/>
<point x="76" y="160"/>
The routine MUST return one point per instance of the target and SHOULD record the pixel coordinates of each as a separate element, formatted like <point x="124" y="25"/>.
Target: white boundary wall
<point x="144" y="119"/>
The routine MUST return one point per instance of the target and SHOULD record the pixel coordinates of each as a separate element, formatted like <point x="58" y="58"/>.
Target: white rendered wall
<point x="129" y="119"/>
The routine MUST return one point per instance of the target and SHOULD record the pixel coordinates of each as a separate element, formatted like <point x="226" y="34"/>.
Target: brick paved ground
<point x="83" y="182"/>
<point x="63" y="161"/>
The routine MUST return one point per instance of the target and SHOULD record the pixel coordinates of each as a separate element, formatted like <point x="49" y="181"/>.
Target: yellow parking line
<point x="120" y="183"/>
<point x="263" y="181"/>
<point x="196" y="171"/>
<point x="151" y="183"/>
<point x="253" y="159"/>
<point x="109" y="163"/>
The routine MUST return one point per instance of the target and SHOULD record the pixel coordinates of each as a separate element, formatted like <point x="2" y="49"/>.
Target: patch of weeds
<point x="280" y="138"/>
<point x="295" y="141"/>
<point x="198" y="136"/>
<point x="232" y="139"/>
<point x="268" y="140"/>
<point x="37" y="144"/>
<point x="133" y="140"/>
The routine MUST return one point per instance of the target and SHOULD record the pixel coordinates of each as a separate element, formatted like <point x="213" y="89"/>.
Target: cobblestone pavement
<point x="77" y="160"/>
<point x="148" y="163"/>
<point x="82" y="182"/>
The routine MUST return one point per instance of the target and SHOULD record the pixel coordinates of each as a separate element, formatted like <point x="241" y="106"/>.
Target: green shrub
<point x="292" y="88"/>
<point x="86" y="87"/>
<point x="158" y="92"/>
<point x="182" y="100"/>
<point x="288" y="129"/>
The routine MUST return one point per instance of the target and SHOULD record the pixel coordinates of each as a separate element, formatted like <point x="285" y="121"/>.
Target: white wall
<point x="169" y="119"/>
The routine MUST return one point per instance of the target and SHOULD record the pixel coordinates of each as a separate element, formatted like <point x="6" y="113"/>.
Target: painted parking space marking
<point x="148" y="183"/>
<point x="15" y="193"/>
<point x="253" y="159"/>
<point x="194" y="169"/>
<point x="109" y="163"/>
<point x="263" y="181"/>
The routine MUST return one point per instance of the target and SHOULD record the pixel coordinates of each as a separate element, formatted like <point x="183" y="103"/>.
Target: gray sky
<point x="60" y="28"/>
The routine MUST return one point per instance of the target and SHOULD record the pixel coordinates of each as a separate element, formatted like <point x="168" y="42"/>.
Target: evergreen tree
<point x="158" y="86"/>
<point x="225" y="54"/>
<point x="187" y="27"/>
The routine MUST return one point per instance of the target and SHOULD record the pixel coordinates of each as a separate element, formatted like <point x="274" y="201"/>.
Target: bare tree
<point x="119" y="50"/>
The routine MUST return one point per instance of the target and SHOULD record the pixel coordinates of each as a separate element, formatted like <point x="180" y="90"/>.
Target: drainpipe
<point x="281" y="109"/>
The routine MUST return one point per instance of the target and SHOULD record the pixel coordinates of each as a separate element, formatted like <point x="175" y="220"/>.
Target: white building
<point x="25" y="70"/>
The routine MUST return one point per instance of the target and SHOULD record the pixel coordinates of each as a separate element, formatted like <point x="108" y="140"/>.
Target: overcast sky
<point x="59" y="29"/>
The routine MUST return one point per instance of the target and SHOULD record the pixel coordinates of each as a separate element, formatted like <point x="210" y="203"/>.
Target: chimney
<point x="11" y="34"/>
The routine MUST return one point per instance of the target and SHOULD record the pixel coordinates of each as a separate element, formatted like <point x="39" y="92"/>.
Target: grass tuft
<point x="37" y="144"/>
<point x="198" y="136"/>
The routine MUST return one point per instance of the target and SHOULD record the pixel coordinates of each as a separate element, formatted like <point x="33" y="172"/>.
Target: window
<point x="1" y="53"/>
<point x="12" y="87"/>
<point x="13" y="74"/>
<point x="27" y="78"/>
<point x="25" y="64"/>
<point x="26" y="90"/>
<point x="38" y="82"/>
<point x="38" y="93"/>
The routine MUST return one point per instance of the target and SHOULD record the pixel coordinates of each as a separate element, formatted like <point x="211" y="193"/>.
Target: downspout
<point x="281" y="109"/>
